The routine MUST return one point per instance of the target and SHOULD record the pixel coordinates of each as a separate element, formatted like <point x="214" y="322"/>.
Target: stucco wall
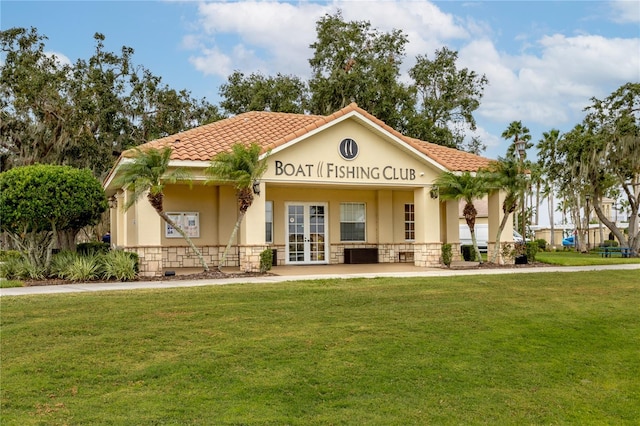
<point x="379" y="161"/>
<point x="198" y="198"/>
<point x="334" y="197"/>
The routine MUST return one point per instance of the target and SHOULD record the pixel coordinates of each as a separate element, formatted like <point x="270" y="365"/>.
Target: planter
<point x="468" y="254"/>
<point x="521" y="260"/>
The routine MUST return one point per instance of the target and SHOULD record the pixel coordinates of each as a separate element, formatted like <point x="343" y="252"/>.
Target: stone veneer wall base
<point x="427" y="255"/>
<point x="154" y="260"/>
<point x="250" y="257"/>
<point x="505" y="248"/>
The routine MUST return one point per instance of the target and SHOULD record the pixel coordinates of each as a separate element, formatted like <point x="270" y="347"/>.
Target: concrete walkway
<point x="314" y="272"/>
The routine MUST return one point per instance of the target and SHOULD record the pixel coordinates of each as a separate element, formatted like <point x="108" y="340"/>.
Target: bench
<point x="360" y="255"/>
<point x="609" y="251"/>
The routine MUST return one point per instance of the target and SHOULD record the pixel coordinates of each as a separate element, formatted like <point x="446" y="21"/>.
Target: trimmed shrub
<point x="531" y="251"/>
<point x="266" y="260"/>
<point x="447" y="255"/>
<point x="93" y="247"/>
<point x="468" y="252"/>
<point x="610" y="243"/>
<point x="119" y="265"/>
<point x="542" y="244"/>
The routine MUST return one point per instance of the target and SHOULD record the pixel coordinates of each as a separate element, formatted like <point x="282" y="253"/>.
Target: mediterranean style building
<point x="343" y="188"/>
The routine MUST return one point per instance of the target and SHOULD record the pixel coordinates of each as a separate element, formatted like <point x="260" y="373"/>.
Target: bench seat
<point x="609" y="251"/>
<point x="360" y="255"/>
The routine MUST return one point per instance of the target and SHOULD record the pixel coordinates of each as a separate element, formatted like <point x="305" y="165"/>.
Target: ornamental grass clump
<point x="21" y="268"/>
<point x="60" y="263"/>
<point x="84" y="268"/>
<point x="9" y="268"/>
<point x="119" y="265"/>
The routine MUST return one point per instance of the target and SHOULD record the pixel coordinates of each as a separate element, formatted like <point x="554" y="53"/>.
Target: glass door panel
<point x="306" y="227"/>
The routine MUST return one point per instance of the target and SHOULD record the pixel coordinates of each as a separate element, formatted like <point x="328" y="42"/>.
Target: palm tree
<point x="548" y="160"/>
<point x="505" y="175"/>
<point x="465" y="187"/>
<point x="519" y="133"/>
<point x="535" y="182"/>
<point x="147" y="174"/>
<point x="242" y="167"/>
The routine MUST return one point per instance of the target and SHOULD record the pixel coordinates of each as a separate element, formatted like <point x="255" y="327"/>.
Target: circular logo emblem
<point x="348" y="149"/>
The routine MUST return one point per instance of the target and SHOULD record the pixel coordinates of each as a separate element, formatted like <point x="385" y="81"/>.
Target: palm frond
<point x="147" y="170"/>
<point x="241" y="167"/>
<point x="464" y="186"/>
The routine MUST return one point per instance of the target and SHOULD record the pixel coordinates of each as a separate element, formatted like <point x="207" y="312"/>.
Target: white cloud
<point x="282" y="32"/>
<point x="492" y="141"/>
<point x="213" y="62"/>
<point x="265" y="36"/>
<point x="425" y="25"/>
<point x="553" y="87"/>
<point x="544" y="80"/>
<point x="625" y="11"/>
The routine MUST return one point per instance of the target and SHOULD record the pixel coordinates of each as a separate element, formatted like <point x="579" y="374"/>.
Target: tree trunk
<point x="184" y="235"/>
<point x="551" y="221"/>
<point x="633" y="242"/>
<point x="475" y="245"/>
<point x="156" y="201"/>
<point x="67" y="239"/>
<point x="233" y="235"/>
<point x="497" y="249"/>
<point x="35" y="247"/>
<point x="537" y="221"/>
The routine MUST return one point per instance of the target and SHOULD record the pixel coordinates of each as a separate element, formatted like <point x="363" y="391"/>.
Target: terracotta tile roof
<point x="453" y="159"/>
<point x="264" y="128"/>
<point x="273" y="129"/>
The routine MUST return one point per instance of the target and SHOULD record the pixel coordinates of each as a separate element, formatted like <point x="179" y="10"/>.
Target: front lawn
<point x="541" y="348"/>
<point x="574" y="258"/>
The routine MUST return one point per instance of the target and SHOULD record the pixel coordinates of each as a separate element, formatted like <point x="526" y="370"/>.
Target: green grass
<point x="544" y="348"/>
<point x="10" y="283"/>
<point x="574" y="258"/>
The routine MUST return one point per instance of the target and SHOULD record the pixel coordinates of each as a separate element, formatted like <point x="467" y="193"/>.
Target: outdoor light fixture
<point x="113" y="202"/>
<point x="520" y="147"/>
<point x="434" y="192"/>
<point x="256" y="187"/>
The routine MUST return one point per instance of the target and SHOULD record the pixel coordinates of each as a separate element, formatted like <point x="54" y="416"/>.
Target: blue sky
<point x="544" y="60"/>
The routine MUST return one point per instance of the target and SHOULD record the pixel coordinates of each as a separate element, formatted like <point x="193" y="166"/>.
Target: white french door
<point x="306" y="233"/>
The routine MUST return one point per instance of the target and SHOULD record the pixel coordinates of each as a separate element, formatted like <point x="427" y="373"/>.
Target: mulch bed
<point x="513" y="266"/>
<point x="214" y="274"/>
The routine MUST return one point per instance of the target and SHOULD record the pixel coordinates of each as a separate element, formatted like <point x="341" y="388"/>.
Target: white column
<point x="149" y="225"/>
<point x="385" y="217"/>
<point x="252" y="230"/>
